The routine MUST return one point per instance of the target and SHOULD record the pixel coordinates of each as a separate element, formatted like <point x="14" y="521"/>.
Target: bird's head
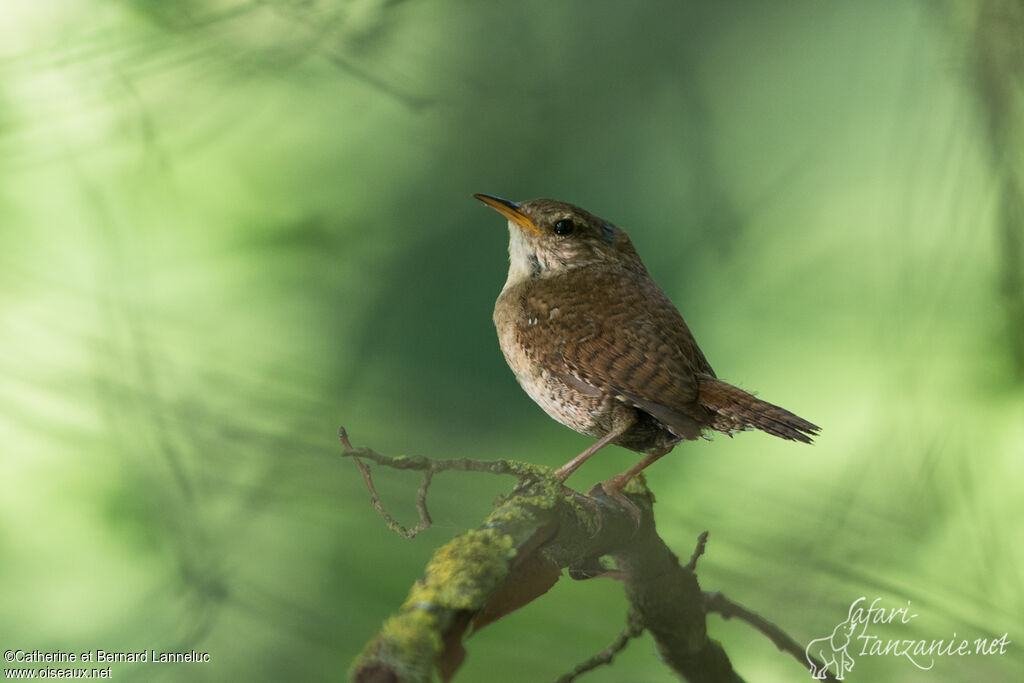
<point x="548" y="237"/>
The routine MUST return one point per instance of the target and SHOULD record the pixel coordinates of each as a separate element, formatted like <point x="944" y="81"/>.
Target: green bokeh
<point x="227" y="228"/>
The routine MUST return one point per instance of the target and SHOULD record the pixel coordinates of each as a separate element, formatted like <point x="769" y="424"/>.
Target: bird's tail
<point x="735" y="410"/>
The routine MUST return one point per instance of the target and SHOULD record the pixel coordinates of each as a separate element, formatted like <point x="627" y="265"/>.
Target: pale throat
<point x="522" y="260"/>
<point x="526" y="262"/>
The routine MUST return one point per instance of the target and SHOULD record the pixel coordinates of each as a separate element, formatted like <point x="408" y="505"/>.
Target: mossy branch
<point x="518" y="553"/>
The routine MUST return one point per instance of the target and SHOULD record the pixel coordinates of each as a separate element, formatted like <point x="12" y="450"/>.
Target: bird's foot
<point x="593" y="568"/>
<point x="612" y="488"/>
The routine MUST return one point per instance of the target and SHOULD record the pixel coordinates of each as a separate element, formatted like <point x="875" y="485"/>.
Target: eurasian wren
<point x="600" y="347"/>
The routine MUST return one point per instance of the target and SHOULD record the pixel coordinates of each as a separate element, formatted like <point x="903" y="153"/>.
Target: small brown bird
<point x="597" y="344"/>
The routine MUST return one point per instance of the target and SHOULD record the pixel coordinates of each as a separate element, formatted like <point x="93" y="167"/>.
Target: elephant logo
<point x="832" y="650"/>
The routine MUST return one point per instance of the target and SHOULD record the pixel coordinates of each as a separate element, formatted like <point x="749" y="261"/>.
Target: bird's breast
<point x="531" y="342"/>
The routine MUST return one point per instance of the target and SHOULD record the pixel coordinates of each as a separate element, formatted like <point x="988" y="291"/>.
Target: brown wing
<point x="621" y="336"/>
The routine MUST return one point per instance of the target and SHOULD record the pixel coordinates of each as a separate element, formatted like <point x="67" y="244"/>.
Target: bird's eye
<point x="564" y="227"/>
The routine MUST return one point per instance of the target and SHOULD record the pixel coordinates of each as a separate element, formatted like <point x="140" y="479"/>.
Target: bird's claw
<point x="612" y="488"/>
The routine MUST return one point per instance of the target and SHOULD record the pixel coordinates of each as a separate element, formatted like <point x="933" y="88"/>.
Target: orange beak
<point x="509" y="210"/>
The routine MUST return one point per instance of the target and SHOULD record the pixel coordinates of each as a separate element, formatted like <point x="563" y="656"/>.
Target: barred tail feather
<point x="733" y="409"/>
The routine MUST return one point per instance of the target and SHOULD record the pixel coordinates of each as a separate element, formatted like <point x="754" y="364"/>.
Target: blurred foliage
<point x="228" y="227"/>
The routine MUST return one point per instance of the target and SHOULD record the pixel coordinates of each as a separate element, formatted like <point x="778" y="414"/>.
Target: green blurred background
<point x="227" y="228"/>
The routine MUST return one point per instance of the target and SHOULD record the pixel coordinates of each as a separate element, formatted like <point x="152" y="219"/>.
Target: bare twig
<point x="418" y="462"/>
<point x="421" y="495"/>
<point x="429" y="468"/>
<point x="343" y="438"/>
<point x="634" y="627"/>
<point x="718" y="603"/>
<point x="702" y="542"/>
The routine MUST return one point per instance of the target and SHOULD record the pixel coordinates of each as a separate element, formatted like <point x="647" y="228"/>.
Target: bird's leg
<point x="613" y="487"/>
<point x="568" y="468"/>
<point x="617" y="430"/>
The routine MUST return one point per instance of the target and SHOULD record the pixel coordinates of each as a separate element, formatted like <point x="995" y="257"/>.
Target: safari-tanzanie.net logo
<point x="872" y="630"/>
